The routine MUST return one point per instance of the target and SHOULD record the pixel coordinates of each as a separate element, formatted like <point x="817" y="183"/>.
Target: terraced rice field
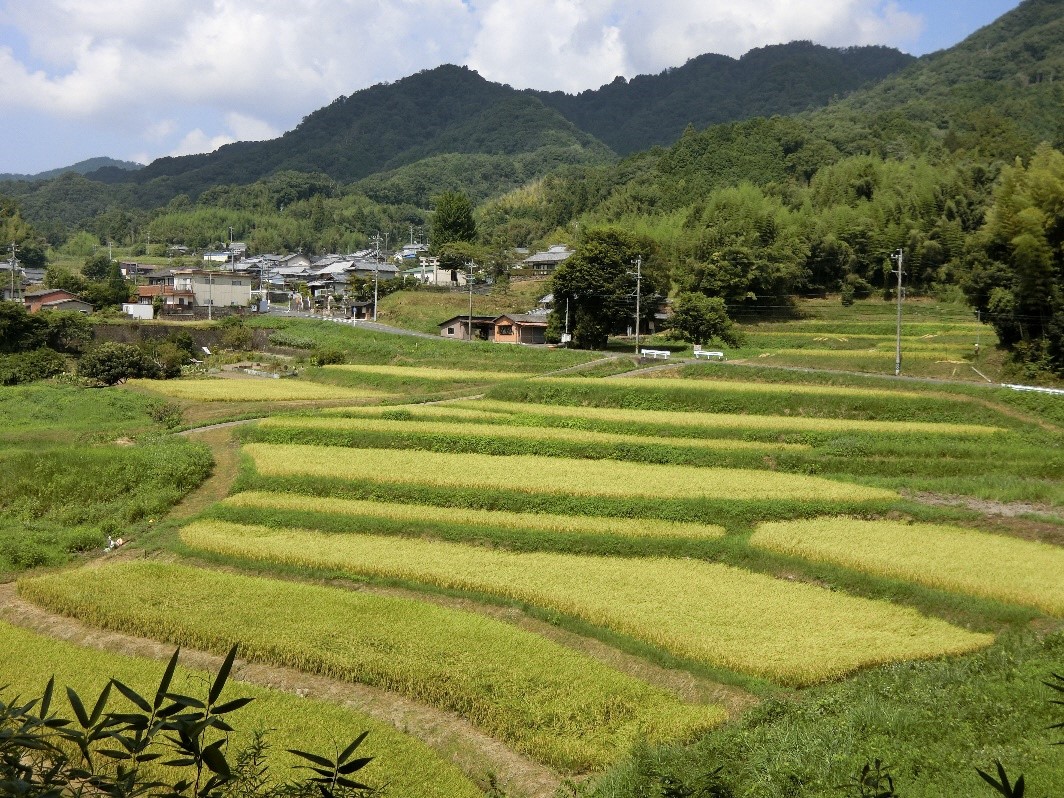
<point x="550" y="475"/>
<point x="251" y="390"/>
<point x="471" y="430"/>
<point x="424" y="373"/>
<point x="545" y="700"/>
<point x="950" y="558"/>
<point x="721" y="616"/>
<point x="407" y="765"/>
<point x="427" y="516"/>
<point x="708" y="421"/>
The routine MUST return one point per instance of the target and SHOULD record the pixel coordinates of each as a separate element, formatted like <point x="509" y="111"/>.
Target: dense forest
<point x="955" y="159"/>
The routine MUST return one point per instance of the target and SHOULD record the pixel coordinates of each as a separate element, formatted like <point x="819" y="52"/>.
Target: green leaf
<point x="101" y="702"/>
<point x="215" y="760"/>
<point x="351" y="748"/>
<point x="135" y="698"/>
<point x="164" y="683"/>
<point x="222" y="677"/>
<point x="78" y="707"/>
<point x="317" y="760"/>
<point x="354" y="764"/>
<point x="230" y="706"/>
<point x="46" y="699"/>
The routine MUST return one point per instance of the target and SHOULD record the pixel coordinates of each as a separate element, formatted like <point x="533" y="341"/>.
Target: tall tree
<point x="598" y="286"/>
<point x="452" y="220"/>
<point x="1019" y="284"/>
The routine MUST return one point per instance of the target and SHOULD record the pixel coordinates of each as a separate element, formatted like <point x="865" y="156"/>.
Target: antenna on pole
<point x="898" y="256"/>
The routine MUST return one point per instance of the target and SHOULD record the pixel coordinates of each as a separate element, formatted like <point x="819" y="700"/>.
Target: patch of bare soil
<point x="454" y="738"/>
<point x="1005" y="517"/>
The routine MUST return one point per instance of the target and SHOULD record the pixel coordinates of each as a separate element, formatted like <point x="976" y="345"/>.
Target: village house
<point x="520" y="328"/>
<point x="215" y="289"/>
<point x="55" y="299"/>
<point x="540" y="264"/>
<point x="457" y="327"/>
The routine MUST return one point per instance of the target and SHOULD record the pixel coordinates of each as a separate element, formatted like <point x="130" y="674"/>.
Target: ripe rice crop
<point x="548" y="701"/>
<point x="425" y="373"/>
<point x="696" y="420"/>
<point x="792" y="633"/>
<point x="963" y="560"/>
<point x="560" y="524"/>
<point x="497" y="432"/>
<point x="402" y="762"/>
<point x="533" y="474"/>
<point x="729" y="386"/>
<point x="448" y="411"/>
<point x="251" y="390"/>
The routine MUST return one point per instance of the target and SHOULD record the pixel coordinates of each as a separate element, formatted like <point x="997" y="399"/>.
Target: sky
<point x="141" y="79"/>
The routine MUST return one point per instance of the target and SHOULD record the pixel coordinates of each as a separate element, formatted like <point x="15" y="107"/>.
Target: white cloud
<point x="579" y="44"/>
<point x="181" y="75"/>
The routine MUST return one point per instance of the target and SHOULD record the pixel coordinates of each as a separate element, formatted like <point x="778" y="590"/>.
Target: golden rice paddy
<point x="251" y="390"/>
<point x="532" y="474"/>
<point x="792" y="633"/>
<point x="477" y="519"/>
<point x="963" y="560"/>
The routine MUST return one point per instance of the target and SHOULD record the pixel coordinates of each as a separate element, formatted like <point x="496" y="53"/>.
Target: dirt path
<point x="455" y="739"/>
<point x="226" y="451"/>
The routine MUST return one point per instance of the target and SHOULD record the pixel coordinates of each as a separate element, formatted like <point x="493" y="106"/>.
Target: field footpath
<point x="453" y="738"/>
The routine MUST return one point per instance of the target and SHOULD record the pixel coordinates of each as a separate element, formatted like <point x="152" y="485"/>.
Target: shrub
<point x="40" y="364"/>
<point x="327" y="357"/>
<point x="112" y="363"/>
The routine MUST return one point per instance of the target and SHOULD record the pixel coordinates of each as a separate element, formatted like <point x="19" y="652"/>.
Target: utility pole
<point x="232" y="255"/>
<point x="210" y="296"/>
<point x="376" y="268"/>
<point x="638" y="291"/>
<point x="898" y="256"/>
<point x="567" y="338"/>
<point x="11" y="268"/>
<point x="469" y="283"/>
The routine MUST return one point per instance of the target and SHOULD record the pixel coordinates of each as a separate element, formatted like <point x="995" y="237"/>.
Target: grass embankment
<point x="80" y="464"/>
<point x="550" y="702"/>
<point x="933" y="723"/>
<point x="713" y="614"/>
<point x="400" y="761"/>
<point x="376" y="348"/>
<point x="424" y="309"/>
<point x="963" y="560"/>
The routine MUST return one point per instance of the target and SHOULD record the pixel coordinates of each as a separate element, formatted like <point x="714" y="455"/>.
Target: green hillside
<point x="653" y="110"/>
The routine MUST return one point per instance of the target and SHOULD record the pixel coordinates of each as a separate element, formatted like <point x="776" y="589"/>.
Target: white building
<point x="216" y="288"/>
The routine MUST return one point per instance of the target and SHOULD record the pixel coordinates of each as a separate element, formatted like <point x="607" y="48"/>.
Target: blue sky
<point x="140" y="79"/>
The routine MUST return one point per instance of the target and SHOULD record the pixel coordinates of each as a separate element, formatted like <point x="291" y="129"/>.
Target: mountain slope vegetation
<point x="653" y="110"/>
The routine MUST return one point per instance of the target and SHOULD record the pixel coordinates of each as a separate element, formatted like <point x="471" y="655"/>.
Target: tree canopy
<point x="598" y="286"/>
<point x="452" y="220"/>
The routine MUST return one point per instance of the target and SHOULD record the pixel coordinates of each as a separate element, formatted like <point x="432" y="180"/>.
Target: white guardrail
<point x="1034" y="389"/>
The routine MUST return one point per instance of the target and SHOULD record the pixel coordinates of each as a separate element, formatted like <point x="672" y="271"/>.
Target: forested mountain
<point x="444" y="111"/>
<point x="81" y="168"/>
<point x="652" y="110"/>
